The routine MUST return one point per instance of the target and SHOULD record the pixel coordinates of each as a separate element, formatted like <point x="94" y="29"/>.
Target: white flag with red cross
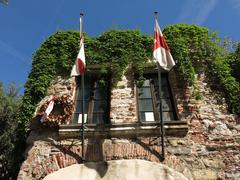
<point x="161" y="51"/>
<point x="79" y="66"/>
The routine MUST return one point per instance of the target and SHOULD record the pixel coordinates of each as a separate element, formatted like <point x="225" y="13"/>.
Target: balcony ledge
<point x="124" y="130"/>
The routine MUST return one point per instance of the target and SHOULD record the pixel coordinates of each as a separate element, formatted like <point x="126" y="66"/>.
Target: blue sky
<point x="24" y="25"/>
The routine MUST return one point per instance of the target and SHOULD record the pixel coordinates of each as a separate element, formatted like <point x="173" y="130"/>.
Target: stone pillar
<point x="123" y="103"/>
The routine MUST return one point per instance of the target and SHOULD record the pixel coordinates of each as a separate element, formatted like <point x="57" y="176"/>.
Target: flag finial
<point x="156" y="14"/>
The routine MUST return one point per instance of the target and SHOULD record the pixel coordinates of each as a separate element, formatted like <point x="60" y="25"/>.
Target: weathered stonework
<point x="63" y="91"/>
<point x="123" y="103"/>
<point x="210" y="150"/>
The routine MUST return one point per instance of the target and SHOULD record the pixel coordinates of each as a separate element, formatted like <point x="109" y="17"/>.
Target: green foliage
<point x="222" y="73"/>
<point x="235" y="62"/>
<point x="9" y="106"/>
<point x="113" y="50"/>
<point x="188" y="44"/>
<point x="55" y="57"/>
<point x="196" y="50"/>
<point x="189" y="47"/>
<point x="193" y="47"/>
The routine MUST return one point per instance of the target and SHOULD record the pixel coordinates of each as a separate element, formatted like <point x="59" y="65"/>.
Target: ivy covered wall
<point x="198" y="50"/>
<point x="195" y="49"/>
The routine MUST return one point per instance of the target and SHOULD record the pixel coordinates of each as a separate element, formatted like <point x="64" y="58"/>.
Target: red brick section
<point x="195" y="132"/>
<point x="62" y="156"/>
<point x="211" y="148"/>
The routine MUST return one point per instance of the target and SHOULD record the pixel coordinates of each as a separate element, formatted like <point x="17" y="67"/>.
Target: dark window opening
<point x="148" y="99"/>
<point x="96" y="101"/>
<point x="58" y="109"/>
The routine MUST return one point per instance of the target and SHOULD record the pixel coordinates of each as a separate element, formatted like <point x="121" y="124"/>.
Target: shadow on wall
<point x="237" y="118"/>
<point x="118" y="169"/>
<point x="101" y="170"/>
<point x="146" y="146"/>
<point x="68" y="151"/>
<point x="94" y="153"/>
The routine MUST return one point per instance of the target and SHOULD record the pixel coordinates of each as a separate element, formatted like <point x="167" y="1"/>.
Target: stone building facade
<point x="204" y="143"/>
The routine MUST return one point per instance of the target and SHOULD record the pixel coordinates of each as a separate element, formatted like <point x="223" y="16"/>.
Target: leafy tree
<point x="235" y="63"/>
<point x="9" y="105"/>
<point x="4" y="2"/>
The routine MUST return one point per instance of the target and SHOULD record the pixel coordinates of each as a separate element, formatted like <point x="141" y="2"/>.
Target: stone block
<point x="221" y="128"/>
<point x="233" y="175"/>
<point x="201" y="174"/>
<point x="179" y="150"/>
<point x="121" y="85"/>
<point x="215" y="163"/>
<point x="176" y="142"/>
<point x="195" y="163"/>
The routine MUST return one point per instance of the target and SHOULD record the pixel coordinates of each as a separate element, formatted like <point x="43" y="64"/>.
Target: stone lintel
<point x="124" y="130"/>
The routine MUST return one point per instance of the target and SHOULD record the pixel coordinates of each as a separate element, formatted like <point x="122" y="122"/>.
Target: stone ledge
<point x="124" y="130"/>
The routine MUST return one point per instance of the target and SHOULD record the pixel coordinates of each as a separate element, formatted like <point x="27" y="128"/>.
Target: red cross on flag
<point x="79" y="66"/>
<point x="161" y="52"/>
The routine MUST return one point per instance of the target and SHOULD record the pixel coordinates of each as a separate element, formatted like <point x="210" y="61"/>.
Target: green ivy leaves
<point x="193" y="47"/>
<point x="113" y="50"/>
<point x="197" y="50"/>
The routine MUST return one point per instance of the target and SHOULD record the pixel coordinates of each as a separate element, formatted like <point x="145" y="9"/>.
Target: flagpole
<point x="82" y="85"/>
<point x="160" y="103"/>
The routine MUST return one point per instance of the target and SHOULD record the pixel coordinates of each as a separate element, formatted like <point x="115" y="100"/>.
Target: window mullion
<point x="137" y="99"/>
<point x="154" y="101"/>
<point x="91" y="104"/>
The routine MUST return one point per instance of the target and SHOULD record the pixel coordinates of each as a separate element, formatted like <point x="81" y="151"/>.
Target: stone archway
<point x="117" y="169"/>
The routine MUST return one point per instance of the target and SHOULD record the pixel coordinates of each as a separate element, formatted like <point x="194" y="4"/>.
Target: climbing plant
<point x="198" y="50"/>
<point x="188" y="46"/>
<point x="194" y="48"/>
<point x="113" y="50"/>
<point x="55" y="56"/>
<point x="235" y="62"/>
<point x="116" y="50"/>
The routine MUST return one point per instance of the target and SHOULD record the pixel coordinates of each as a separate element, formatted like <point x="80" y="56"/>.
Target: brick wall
<point x="123" y="103"/>
<point x="211" y="148"/>
<point x="46" y="157"/>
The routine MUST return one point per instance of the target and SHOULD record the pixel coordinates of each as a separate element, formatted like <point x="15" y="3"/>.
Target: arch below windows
<point x="120" y="169"/>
